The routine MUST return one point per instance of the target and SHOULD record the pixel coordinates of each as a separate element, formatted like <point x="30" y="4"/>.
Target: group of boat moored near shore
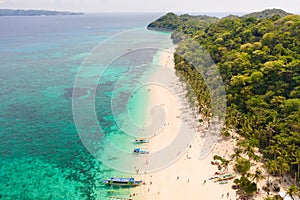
<point x="128" y="182"/>
<point x="222" y="178"/>
<point x="140" y="150"/>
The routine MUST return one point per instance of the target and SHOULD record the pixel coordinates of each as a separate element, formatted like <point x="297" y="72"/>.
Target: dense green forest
<point x="268" y="13"/>
<point x="258" y="56"/>
<point x="171" y="22"/>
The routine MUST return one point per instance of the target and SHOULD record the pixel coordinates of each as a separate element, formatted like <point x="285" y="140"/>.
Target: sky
<point x="179" y="6"/>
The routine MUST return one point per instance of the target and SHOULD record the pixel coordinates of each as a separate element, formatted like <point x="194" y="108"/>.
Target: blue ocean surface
<point x="41" y="154"/>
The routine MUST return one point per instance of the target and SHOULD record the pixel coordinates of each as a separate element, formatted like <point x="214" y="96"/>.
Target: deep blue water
<point x="41" y="154"/>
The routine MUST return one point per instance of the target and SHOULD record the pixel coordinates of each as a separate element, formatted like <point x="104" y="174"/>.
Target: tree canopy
<point x="258" y="57"/>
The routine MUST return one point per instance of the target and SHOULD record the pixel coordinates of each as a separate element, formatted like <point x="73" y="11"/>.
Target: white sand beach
<point x="187" y="178"/>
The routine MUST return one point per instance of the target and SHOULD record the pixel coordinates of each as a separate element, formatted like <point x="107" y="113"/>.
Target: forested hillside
<point x="171" y="22"/>
<point x="185" y="24"/>
<point x="259" y="61"/>
<point x="268" y="13"/>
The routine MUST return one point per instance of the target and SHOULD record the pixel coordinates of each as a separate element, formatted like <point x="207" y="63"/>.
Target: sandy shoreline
<point x="184" y="179"/>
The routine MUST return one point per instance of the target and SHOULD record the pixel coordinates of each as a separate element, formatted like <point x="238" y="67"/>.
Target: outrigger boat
<point x="140" y="151"/>
<point x="213" y="177"/>
<point x="119" y="198"/>
<point x="141" y="140"/>
<point x="125" y="182"/>
<point x="225" y="177"/>
<point x="223" y="182"/>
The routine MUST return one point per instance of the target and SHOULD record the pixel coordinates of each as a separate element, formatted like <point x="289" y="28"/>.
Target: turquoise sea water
<point x="42" y="156"/>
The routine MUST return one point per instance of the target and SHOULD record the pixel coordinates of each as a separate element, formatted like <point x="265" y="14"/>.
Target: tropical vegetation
<point x="258" y="58"/>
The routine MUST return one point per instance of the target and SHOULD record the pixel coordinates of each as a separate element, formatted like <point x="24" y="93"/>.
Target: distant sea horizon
<point x="158" y="13"/>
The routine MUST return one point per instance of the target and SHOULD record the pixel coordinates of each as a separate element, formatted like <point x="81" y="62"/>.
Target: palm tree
<point x="292" y="190"/>
<point x="270" y="131"/>
<point x="224" y="162"/>
<point x="248" y="148"/>
<point x="256" y="158"/>
<point x="242" y="165"/>
<point x="268" y="198"/>
<point x="257" y="176"/>
<point x="236" y="154"/>
<point x="272" y="167"/>
<point x="283" y="165"/>
<point x="297" y="162"/>
<point x="275" y="150"/>
<point x="246" y="186"/>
